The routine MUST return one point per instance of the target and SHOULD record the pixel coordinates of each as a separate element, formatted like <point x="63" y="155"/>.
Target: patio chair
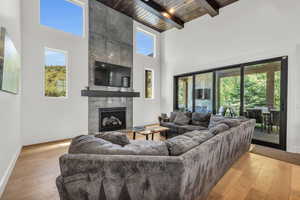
<point x="257" y="115"/>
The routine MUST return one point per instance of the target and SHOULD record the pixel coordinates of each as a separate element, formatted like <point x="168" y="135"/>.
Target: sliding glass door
<point x="228" y="92"/>
<point x="264" y="101"/>
<point x="256" y="90"/>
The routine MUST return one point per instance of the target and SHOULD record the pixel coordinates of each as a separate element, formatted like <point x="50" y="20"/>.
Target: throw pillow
<point x="181" y="119"/>
<point x="173" y="116"/>
<point x="218" y="128"/>
<point x="114" y="137"/>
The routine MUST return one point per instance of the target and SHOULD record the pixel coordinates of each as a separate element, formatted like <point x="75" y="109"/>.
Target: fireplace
<point x="112" y="119"/>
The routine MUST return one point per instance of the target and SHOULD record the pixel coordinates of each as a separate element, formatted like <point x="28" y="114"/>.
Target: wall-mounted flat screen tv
<point x="112" y="75"/>
<point x="9" y="64"/>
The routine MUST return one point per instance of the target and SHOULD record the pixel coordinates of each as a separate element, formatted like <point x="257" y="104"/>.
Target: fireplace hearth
<point x="112" y="119"/>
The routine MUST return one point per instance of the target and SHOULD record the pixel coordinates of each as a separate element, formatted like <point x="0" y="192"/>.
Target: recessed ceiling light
<point x="172" y="10"/>
<point x="165" y="14"/>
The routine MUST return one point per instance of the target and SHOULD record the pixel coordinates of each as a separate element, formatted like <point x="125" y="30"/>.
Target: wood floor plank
<point x="281" y="184"/>
<point x="295" y="183"/>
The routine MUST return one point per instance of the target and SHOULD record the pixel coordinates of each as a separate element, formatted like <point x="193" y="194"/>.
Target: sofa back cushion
<point x="182" y="119"/>
<point x="215" y="120"/>
<point x="114" y="137"/>
<point x="180" y="144"/>
<point x="88" y="144"/>
<point x="200" y="119"/>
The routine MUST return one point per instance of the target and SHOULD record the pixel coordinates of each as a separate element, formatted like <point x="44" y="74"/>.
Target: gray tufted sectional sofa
<point x="185" y="167"/>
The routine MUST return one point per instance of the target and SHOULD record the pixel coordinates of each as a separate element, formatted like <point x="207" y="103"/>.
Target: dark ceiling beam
<point x="212" y="6"/>
<point x="161" y="12"/>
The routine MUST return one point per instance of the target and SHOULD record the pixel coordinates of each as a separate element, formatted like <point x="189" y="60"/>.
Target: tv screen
<point x="9" y="64"/>
<point x="112" y="75"/>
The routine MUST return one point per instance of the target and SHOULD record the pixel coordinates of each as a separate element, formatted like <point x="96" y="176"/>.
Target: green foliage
<point x="255" y="90"/>
<point x="230" y="92"/>
<point x="55" y="81"/>
<point x="277" y="90"/>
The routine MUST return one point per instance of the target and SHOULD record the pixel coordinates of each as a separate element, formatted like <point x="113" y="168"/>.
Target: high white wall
<point x="146" y="111"/>
<point x="244" y="31"/>
<point x="10" y="143"/>
<point x="47" y="119"/>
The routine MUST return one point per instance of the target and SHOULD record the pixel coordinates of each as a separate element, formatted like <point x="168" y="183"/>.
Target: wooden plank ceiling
<point x="163" y="15"/>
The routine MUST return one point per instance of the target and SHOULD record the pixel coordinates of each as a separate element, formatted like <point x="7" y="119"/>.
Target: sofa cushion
<point x="191" y="134"/>
<point x="215" y="120"/>
<point x="193" y="128"/>
<point x="219" y="128"/>
<point x="180" y="144"/>
<point x="199" y="136"/>
<point x="148" y="147"/>
<point x="182" y="119"/>
<point x="114" y="137"/>
<point x="201" y="119"/>
<point x="203" y="137"/>
<point x="88" y="144"/>
<point x="91" y="145"/>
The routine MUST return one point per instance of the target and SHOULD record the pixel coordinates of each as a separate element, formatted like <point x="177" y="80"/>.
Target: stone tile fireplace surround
<point x="110" y="41"/>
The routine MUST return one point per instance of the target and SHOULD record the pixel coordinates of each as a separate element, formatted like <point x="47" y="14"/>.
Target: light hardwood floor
<point x="253" y="177"/>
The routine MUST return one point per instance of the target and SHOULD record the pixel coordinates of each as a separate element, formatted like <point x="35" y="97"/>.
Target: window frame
<point x="139" y="29"/>
<point x="84" y="17"/>
<point x="67" y="73"/>
<point x="146" y="84"/>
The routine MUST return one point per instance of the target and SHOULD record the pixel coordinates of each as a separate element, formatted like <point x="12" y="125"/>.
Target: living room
<point x="82" y="65"/>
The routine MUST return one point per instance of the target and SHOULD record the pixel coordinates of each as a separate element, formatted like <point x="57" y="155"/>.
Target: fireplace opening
<point x="112" y="119"/>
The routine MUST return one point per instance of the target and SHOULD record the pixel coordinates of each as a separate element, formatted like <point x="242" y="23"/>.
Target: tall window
<point x="55" y="73"/>
<point x="149" y="84"/>
<point x="145" y="43"/>
<point x="63" y="15"/>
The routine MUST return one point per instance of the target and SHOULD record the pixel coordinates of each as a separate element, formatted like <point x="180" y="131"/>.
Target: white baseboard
<point x="8" y="171"/>
<point x="294" y="149"/>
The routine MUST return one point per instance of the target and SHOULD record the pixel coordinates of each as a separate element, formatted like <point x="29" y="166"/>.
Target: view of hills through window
<point x="55" y="73"/>
<point x="149" y="84"/>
